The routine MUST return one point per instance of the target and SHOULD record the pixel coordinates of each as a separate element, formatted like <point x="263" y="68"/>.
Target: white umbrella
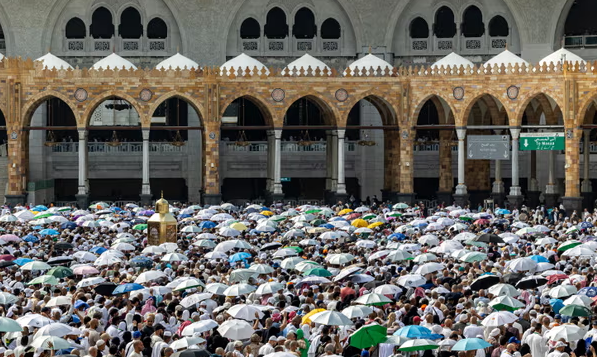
<point x="104" y="260"/>
<point x="380" y="254"/>
<point x="357" y="311"/>
<point x="205" y="243"/>
<point x="339" y="259"/>
<point x="262" y="269"/>
<point x="372" y="298"/>
<point x="398" y="255"/>
<point x="567" y="332"/>
<point x="194" y="299"/>
<point x="148" y="276"/>
<point x="580" y="251"/>
<point x="562" y="291"/>
<point x="36" y="266"/>
<point x="291" y="262"/>
<point x="188" y="284"/>
<point x="522" y="264"/>
<point x="153" y="249"/>
<point x="429" y="239"/>
<point x="228" y="232"/>
<point x="170" y="247"/>
<point x="245" y="312"/>
<point x="199" y="327"/>
<point x="503" y="289"/>
<point x="84" y="256"/>
<point x="331" y="318"/>
<point x="90" y="282"/>
<point x="191" y="229"/>
<point x="236" y="330"/>
<point x="387" y="289"/>
<point x="56" y="329"/>
<point x="124" y="247"/>
<point x="285" y="252"/>
<point x="216" y="288"/>
<point x="174" y="257"/>
<point x="50" y="343"/>
<point x="428" y="268"/>
<point x="411" y="280"/>
<point x="269" y="288"/>
<point x="499" y="318"/>
<point x="582" y="300"/>
<point x="34" y="320"/>
<point x="216" y="255"/>
<point x="59" y="301"/>
<point x="238" y="289"/>
<point x="186" y="342"/>
<point x="7" y="298"/>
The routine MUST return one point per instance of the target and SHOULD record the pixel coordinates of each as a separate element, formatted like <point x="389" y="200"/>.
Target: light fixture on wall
<point x="241" y="140"/>
<point x="50" y="137"/>
<point x="114" y="141"/>
<point x="178" y="141"/>
<point x="305" y="139"/>
<point x="366" y="140"/>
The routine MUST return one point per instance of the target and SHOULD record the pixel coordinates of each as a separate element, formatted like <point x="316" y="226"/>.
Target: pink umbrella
<point x="10" y="238"/>
<point x="85" y="270"/>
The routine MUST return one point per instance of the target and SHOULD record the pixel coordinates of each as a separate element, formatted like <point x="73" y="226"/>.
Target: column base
<point x="445" y="198"/>
<point x="498" y="198"/>
<point x="82" y="201"/>
<point x="408" y="198"/>
<point x="461" y="200"/>
<point x="572" y="204"/>
<point x="588" y="200"/>
<point x="146" y="199"/>
<point x="551" y="199"/>
<point x="533" y="200"/>
<point x="515" y="201"/>
<point x="212" y="199"/>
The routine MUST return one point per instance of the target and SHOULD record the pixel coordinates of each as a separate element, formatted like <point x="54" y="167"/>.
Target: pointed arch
<point x="75" y="29"/>
<point x="102" y="97"/>
<point x="102" y="23"/>
<point x="387" y="109"/>
<point x="259" y="102"/>
<point x="34" y="102"/>
<point x="329" y="113"/>
<point x="173" y="94"/>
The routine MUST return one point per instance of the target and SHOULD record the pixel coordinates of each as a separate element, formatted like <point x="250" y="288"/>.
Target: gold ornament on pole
<point x="162" y="226"/>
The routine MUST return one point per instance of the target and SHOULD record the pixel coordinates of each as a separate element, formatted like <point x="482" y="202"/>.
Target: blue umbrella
<point x="142" y="262"/>
<point x="327" y="225"/>
<point x="22" y="261"/>
<point x="49" y="232"/>
<point x="500" y="211"/>
<point x="239" y="256"/>
<point x="421" y="225"/>
<point x="414" y="331"/>
<point x="68" y="225"/>
<point x="397" y="236"/>
<point x="184" y="215"/>
<point x="590" y="291"/>
<point x="556" y="305"/>
<point x="39" y="208"/>
<point x="585" y="225"/>
<point x="30" y="238"/>
<point x="500" y="221"/>
<point x="81" y="303"/>
<point x="97" y="250"/>
<point x="115" y="209"/>
<point x="125" y="288"/>
<point x="470" y="344"/>
<point x="539" y="259"/>
<point x="207" y="224"/>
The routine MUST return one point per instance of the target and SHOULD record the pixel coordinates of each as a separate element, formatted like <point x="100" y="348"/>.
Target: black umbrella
<point x="191" y="353"/>
<point x="485" y="282"/>
<point x="63" y="246"/>
<point x="513" y="278"/>
<point x="271" y="246"/>
<point x="531" y="282"/>
<point x="5" y="263"/>
<point x="489" y="238"/>
<point x="59" y="260"/>
<point x="105" y="289"/>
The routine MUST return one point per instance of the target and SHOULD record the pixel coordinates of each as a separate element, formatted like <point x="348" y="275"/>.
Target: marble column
<point x="515" y="196"/>
<point x="551" y="190"/>
<point x="534" y="192"/>
<point x="586" y="186"/>
<point x="270" y="162"/>
<point x="83" y="183"/>
<point x="145" y="186"/>
<point x="446" y="180"/>
<point x="498" y="192"/>
<point x="277" y="166"/>
<point x="341" y="186"/>
<point x="461" y="194"/>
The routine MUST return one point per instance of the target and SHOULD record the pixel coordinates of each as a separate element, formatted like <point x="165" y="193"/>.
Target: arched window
<point x="419" y="28"/>
<point x="498" y="27"/>
<point x="331" y="30"/>
<point x="581" y="18"/>
<point x="157" y="29"/>
<point x="472" y="24"/>
<point x="130" y="24"/>
<point x="276" y="26"/>
<point x="444" y="26"/>
<point x="304" y="24"/>
<point x="250" y="29"/>
<point x="75" y="28"/>
<point x="101" y="23"/>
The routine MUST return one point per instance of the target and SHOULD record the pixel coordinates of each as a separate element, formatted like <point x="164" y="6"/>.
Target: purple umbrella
<point x="146" y="213"/>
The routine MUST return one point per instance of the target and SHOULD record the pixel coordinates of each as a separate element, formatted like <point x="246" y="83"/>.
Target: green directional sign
<point x="542" y="141"/>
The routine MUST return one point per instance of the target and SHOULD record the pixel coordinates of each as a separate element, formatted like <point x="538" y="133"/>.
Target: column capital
<point x="83" y="133"/>
<point x="278" y="134"/>
<point x="515" y="132"/>
<point x="461" y="133"/>
<point x="145" y="133"/>
<point x="587" y="132"/>
<point x="341" y="133"/>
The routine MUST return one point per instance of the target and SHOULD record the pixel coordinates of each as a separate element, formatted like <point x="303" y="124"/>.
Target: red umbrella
<point x="481" y="222"/>
<point x="553" y="278"/>
<point x="353" y="216"/>
<point x="7" y="257"/>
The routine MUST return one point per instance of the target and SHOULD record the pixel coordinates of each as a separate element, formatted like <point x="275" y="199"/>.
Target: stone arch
<point x="491" y="101"/>
<point x="466" y="10"/>
<point x="439" y="102"/>
<point x="92" y="106"/>
<point x="519" y="111"/>
<point x="330" y="113"/>
<point x="260" y="102"/>
<point x="142" y="18"/>
<point x="33" y="103"/>
<point x="560" y="21"/>
<point x="92" y="12"/>
<point x="387" y="109"/>
<point x="586" y="106"/>
<point x="304" y="6"/>
<point x="174" y="94"/>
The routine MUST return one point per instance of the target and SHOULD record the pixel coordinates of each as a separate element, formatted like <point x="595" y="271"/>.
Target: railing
<point x="137" y="147"/>
<point x="65" y="203"/>
<point x="75" y="45"/>
<point x="472" y="44"/>
<point x="304" y="45"/>
<point x="498" y="43"/>
<point x="443" y="44"/>
<point x="130" y="45"/>
<point x="330" y="45"/>
<point x="419" y="44"/>
<point x="430" y="146"/>
<point x="287" y="146"/>
<point x="250" y="45"/>
<point x="2" y="45"/>
<point x="103" y="45"/>
<point x="580" y="41"/>
<point x="276" y="45"/>
<point x="157" y="45"/>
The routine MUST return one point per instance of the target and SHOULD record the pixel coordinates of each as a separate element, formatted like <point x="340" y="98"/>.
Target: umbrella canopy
<point x="499" y="318"/>
<point x="470" y="344"/>
<point x="368" y="335"/>
<point x="418" y="345"/>
<point x="575" y="310"/>
<point x="236" y="330"/>
<point x="331" y="318"/>
<point x="9" y="325"/>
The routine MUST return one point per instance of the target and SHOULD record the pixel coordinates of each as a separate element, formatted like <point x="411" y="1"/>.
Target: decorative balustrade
<point x="286" y="146"/>
<point x="129" y="147"/>
<point x="580" y="41"/>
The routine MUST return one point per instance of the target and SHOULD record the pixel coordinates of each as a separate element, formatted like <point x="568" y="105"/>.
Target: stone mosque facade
<point x="296" y="100"/>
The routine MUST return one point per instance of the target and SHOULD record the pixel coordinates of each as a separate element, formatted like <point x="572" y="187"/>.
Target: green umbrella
<point x="318" y="222"/>
<point x="60" y="272"/>
<point x="575" y="310"/>
<point x="473" y="257"/>
<point x="45" y="280"/>
<point x="369" y="335"/>
<point x="140" y="227"/>
<point x="465" y="218"/>
<point x="418" y="345"/>
<point x="43" y="215"/>
<point x="313" y="211"/>
<point x="506" y="303"/>
<point x="369" y="216"/>
<point x="318" y="272"/>
<point x="476" y="244"/>
<point x="394" y="214"/>
<point x="277" y="218"/>
<point x="568" y="245"/>
<point x="299" y="250"/>
<point x="9" y="325"/>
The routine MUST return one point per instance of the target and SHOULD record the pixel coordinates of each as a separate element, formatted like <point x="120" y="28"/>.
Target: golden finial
<point x="162" y="194"/>
<point x="506" y="46"/>
<point x="177" y="49"/>
<point x="370" y="50"/>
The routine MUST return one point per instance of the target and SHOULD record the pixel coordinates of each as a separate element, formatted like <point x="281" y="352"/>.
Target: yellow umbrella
<point x="359" y="223"/>
<point x="306" y="319"/>
<point x="345" y="211"/>
<point x="238" y="226"/>
<point x="374" y="224"/>
<point x="267" y="213"/>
